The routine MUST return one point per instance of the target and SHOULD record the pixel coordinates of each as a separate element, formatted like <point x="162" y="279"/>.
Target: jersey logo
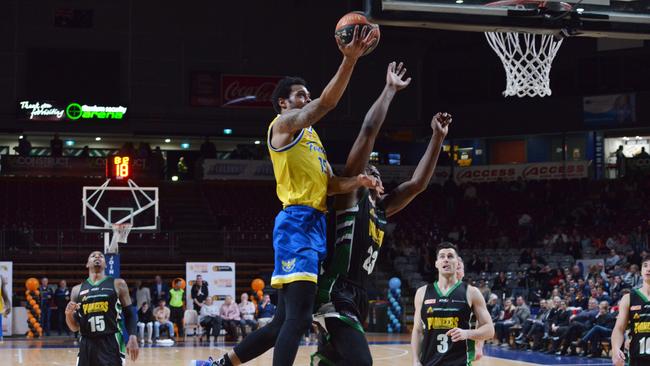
<point x="443" y="323"/>
<point x="96" y="307"/>
<point x="642" y="327"/>
<point x="635" y="308"/>
<point x="460" y="301"/>
<point x="83" y="292"/>
<point x="429" y="301"/>
<point x="429" y="310"/>
<point x="637" y="317"/>
<point x="289" y="265"/>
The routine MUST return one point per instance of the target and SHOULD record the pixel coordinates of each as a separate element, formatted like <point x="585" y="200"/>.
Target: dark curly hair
<point x="283" y="90"/>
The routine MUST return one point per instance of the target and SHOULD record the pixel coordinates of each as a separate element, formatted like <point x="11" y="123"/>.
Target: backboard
<point x="627" y="19"/>
<point x="105" y="205"/>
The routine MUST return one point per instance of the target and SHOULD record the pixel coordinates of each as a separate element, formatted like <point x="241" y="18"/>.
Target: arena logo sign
<point x="49" y="111"/>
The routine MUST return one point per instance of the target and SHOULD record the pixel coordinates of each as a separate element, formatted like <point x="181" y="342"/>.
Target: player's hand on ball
<point x="394" y="76"/>
<point x="440" y="123"/>
<point x="458" y="334"/>
<point x="618" y="358"/>
<point x="362" y="39"/>
<point x="71" y="308"/>
<point x="370" y="183"/>
<point x="132" y="348"/>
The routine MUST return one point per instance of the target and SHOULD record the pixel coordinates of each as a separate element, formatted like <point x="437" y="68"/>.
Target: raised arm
<point x="130" y="314"/>
<point x="294" y="120"/>
<point x="618" y="333"/>
<point x="343" y="185"/>
<point x="401" y="196"/>
<point x="417" y="334"/>
<point x="71" y="310"/>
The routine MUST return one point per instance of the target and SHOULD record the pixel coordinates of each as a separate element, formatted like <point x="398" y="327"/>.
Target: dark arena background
<point x="139" y="129"/>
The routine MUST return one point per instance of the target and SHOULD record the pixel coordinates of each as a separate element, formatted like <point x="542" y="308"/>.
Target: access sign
<point x="51" y="111"/>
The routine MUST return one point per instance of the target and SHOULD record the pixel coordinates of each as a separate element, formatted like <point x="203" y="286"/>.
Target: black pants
<point x="101" y="351"/>
<point x="212" y="325"/>
<point x="60" y="312"/>
<point x="176" y="317"/>
<point x="231" y="328"/>
<point x="291" y="320"/>
<point x="346" y="345"/>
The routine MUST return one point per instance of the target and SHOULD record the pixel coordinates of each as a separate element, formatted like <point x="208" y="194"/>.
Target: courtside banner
<point x="6" y="272"/>
<point x="220" y="277"/>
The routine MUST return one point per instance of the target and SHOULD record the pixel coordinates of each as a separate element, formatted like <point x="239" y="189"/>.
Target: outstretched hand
<point x="132" y="348"/>
<point x="370" y="182"/>
<point x="394" y="76"/>
<point x="362" y="39"/>
<point x="440" y="123"/>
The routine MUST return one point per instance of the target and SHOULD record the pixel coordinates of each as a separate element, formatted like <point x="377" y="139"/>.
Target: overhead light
<point x="185" y="145"/>
<point x="20" y="137"/>
<point x="227" y="131"/>
<point x="257" y="142"/>
<point x="174" y="178"/>
<point x="459" y="1"/>
<point x="168" y="140"/>
<point x="98" y="138"/>
<point x="638" y="137"/>
<point x="69" y="142"/>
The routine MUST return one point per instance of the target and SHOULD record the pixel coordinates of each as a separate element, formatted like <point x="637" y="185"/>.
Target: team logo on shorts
<point x="289" y="265"/>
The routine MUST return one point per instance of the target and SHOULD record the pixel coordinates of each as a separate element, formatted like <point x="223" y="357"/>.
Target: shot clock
<point x="119" y="167"/>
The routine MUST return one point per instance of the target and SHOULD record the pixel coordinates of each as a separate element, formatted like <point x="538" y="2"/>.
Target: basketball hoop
<point x="527" y="57"/>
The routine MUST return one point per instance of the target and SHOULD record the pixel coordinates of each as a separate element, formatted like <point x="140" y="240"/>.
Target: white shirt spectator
<point x="209" y="310"/>
<point x="247" y="310"/>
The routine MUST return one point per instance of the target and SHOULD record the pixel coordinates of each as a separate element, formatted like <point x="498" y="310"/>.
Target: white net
<point x="527" y="59"/>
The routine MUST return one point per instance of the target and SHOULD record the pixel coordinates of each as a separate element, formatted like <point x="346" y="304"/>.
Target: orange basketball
<point x="257" y="284"/>
<point x="345" y="28"/>
<point x="31" y="284"/>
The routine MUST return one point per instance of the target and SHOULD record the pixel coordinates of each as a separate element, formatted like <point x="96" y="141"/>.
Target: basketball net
<point x="120" y="235"/>
<point x="527" y="59"/>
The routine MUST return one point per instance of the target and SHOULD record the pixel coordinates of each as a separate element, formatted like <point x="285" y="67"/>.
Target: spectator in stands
<point x="159" y="291"/>
<point x="639" y="239"/>
<point x="500" y="286"/>
<point x="229" y="312"/>
<point x="615" y="288"/>
<point x="484" y="289"/>
<point x="61" y="299"/>
<point x="208" y="150"/>
<point x="632" y="278"/>
<point x="46" y="301"/>
<point x="603" y="325"/>
<point x="24" y="147"/>
<point x="620" y="162"/>
<point x="578" y="324"/>
<point x="56" y="146"/>
<point x="146" y="319"/>
<point x="265" y="311"/>
<point x="199" y="292"/>
<point x="559" y="326"/>
<point x="247" y="312"/>
<point x="612" y="259"/>
<point x="177" y="305"/>
<point x="504" y="322"/>
<point x="601" y="295"/>
<point x="475" y="265"/>
<point x="161" y="314"/>
<point x="209" y="318"/>
<point x="534" y="324"/>
<point x="142" y="294"/>
<point x="85" y="152"/>
<point x="158" y="162"/>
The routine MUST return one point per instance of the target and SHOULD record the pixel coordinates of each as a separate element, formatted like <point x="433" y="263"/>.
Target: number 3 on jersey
<point x="97" y="323"/>
<point x="443" y="347"/>
<point x="369" y="263"/>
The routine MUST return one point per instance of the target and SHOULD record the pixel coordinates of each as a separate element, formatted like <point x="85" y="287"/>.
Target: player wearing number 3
<point x="356" y="237"/>
<point x="634" y="314"/>
<point x="95" y="310"/>
<point x="442" y="312"/>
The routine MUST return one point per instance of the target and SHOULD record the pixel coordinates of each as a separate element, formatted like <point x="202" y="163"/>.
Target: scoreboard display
<point x="119" y="167"/>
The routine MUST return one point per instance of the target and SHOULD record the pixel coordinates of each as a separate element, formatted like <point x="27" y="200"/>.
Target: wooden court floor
<point x="386" y="350"/>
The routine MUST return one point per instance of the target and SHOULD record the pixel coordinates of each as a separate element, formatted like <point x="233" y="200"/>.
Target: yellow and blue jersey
<point x="301" y="170"/>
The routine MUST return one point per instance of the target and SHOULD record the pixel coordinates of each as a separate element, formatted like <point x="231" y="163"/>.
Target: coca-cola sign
<point x="247" y="91"/>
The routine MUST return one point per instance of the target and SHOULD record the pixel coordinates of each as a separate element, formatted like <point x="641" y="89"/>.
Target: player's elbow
<point x="417" y="186"/>
<point x="490" y="332"/>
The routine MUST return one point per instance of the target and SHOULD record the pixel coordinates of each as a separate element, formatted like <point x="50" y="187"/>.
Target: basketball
<point x="345" y="28"/>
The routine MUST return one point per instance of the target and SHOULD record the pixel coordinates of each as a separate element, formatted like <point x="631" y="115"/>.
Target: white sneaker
<point x="149" y="341"/>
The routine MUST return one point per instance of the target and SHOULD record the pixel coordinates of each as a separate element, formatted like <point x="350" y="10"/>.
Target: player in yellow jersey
<point x="5" y="303"/>
<point x="304" y="178"/>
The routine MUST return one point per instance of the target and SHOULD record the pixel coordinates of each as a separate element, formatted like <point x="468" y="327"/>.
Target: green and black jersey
<point x="441" y="312"/>
<point x="354" y="241"/>
<point x="639" y="320"/>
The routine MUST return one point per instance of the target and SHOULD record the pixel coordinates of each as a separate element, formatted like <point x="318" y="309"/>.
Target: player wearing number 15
<point x="634" y="314"/>
<point x="95" y="310"/>
<point x="441" y="333"/>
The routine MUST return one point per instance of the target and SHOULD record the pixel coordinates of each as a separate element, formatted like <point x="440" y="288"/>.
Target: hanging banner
<point x="609" y="110"/>
<point x="112" y="264"/>
<point x="6" y="273"/>
<point x="534" y="171"/>
<point x="220" y="277"/>
<point x="55" y="111"/>
<point x="247" y="91"/>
